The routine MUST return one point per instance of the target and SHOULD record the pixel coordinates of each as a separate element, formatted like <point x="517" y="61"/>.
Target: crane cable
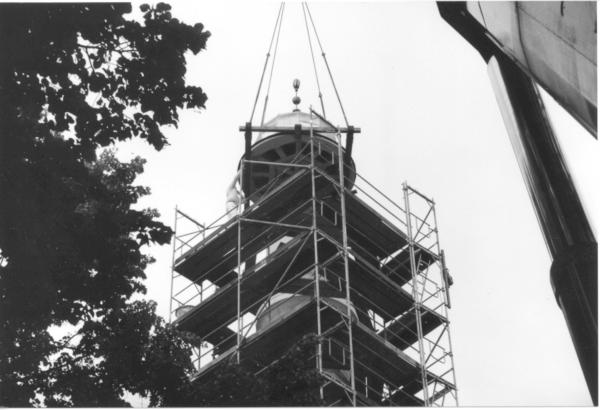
<point x="326" y="64"/>
<point x="276" y="32"/>
<point x="279" y="14"/>
<point x="312" y="55"/>
<point x="262" y="120"/>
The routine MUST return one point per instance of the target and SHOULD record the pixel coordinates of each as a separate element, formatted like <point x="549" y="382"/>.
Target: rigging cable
<point x="279" y="13"/>
<point x="312" y="55"/>
<point x="326" y="63"/>
<point x="262" y="120"/>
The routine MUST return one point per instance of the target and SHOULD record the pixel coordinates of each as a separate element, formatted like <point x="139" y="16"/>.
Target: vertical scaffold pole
<point x="173" y="264"/>
<point x="316" y="251"/>
<point x="346" y="269"/>
<point x="415" y="291"/>
<point x="239" y="269"/>
<point x="447" y="305"/>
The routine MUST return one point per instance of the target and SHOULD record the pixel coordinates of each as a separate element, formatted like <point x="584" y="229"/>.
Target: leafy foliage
<point x="75" y="78"/>
<point x="294" y="380"/>
<point x="291" y="381"/>
<point x="88" y="65"/>
<point x="129" y="350"/>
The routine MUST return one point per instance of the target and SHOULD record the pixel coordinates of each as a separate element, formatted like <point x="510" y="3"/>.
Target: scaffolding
<point x="320" y="250"/>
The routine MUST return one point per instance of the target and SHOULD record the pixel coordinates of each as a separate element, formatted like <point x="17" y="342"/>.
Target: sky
<point x="422" y="96"/>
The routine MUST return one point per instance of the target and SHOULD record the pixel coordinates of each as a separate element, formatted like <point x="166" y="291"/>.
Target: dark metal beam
<point x="355" y="130"/>
<point x="247" y="171"/>
<point x="568" y="235"/>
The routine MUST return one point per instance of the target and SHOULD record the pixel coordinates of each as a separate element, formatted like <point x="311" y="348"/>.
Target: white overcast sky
<point x="423" y="99"/>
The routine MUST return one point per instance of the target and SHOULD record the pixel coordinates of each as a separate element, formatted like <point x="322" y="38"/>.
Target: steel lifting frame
<point x="418" y="346"/>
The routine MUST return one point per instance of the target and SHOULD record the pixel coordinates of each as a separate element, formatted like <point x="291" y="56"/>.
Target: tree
<point x="75" y="78"/>
<point x="292" y="380"/>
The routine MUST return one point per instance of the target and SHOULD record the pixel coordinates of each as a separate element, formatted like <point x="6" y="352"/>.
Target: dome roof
<point x="290" y="119"/>
<point x="281" y="145"/>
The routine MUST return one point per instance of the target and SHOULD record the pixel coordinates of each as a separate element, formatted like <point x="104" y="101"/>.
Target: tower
<point x="308" y="246"/>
